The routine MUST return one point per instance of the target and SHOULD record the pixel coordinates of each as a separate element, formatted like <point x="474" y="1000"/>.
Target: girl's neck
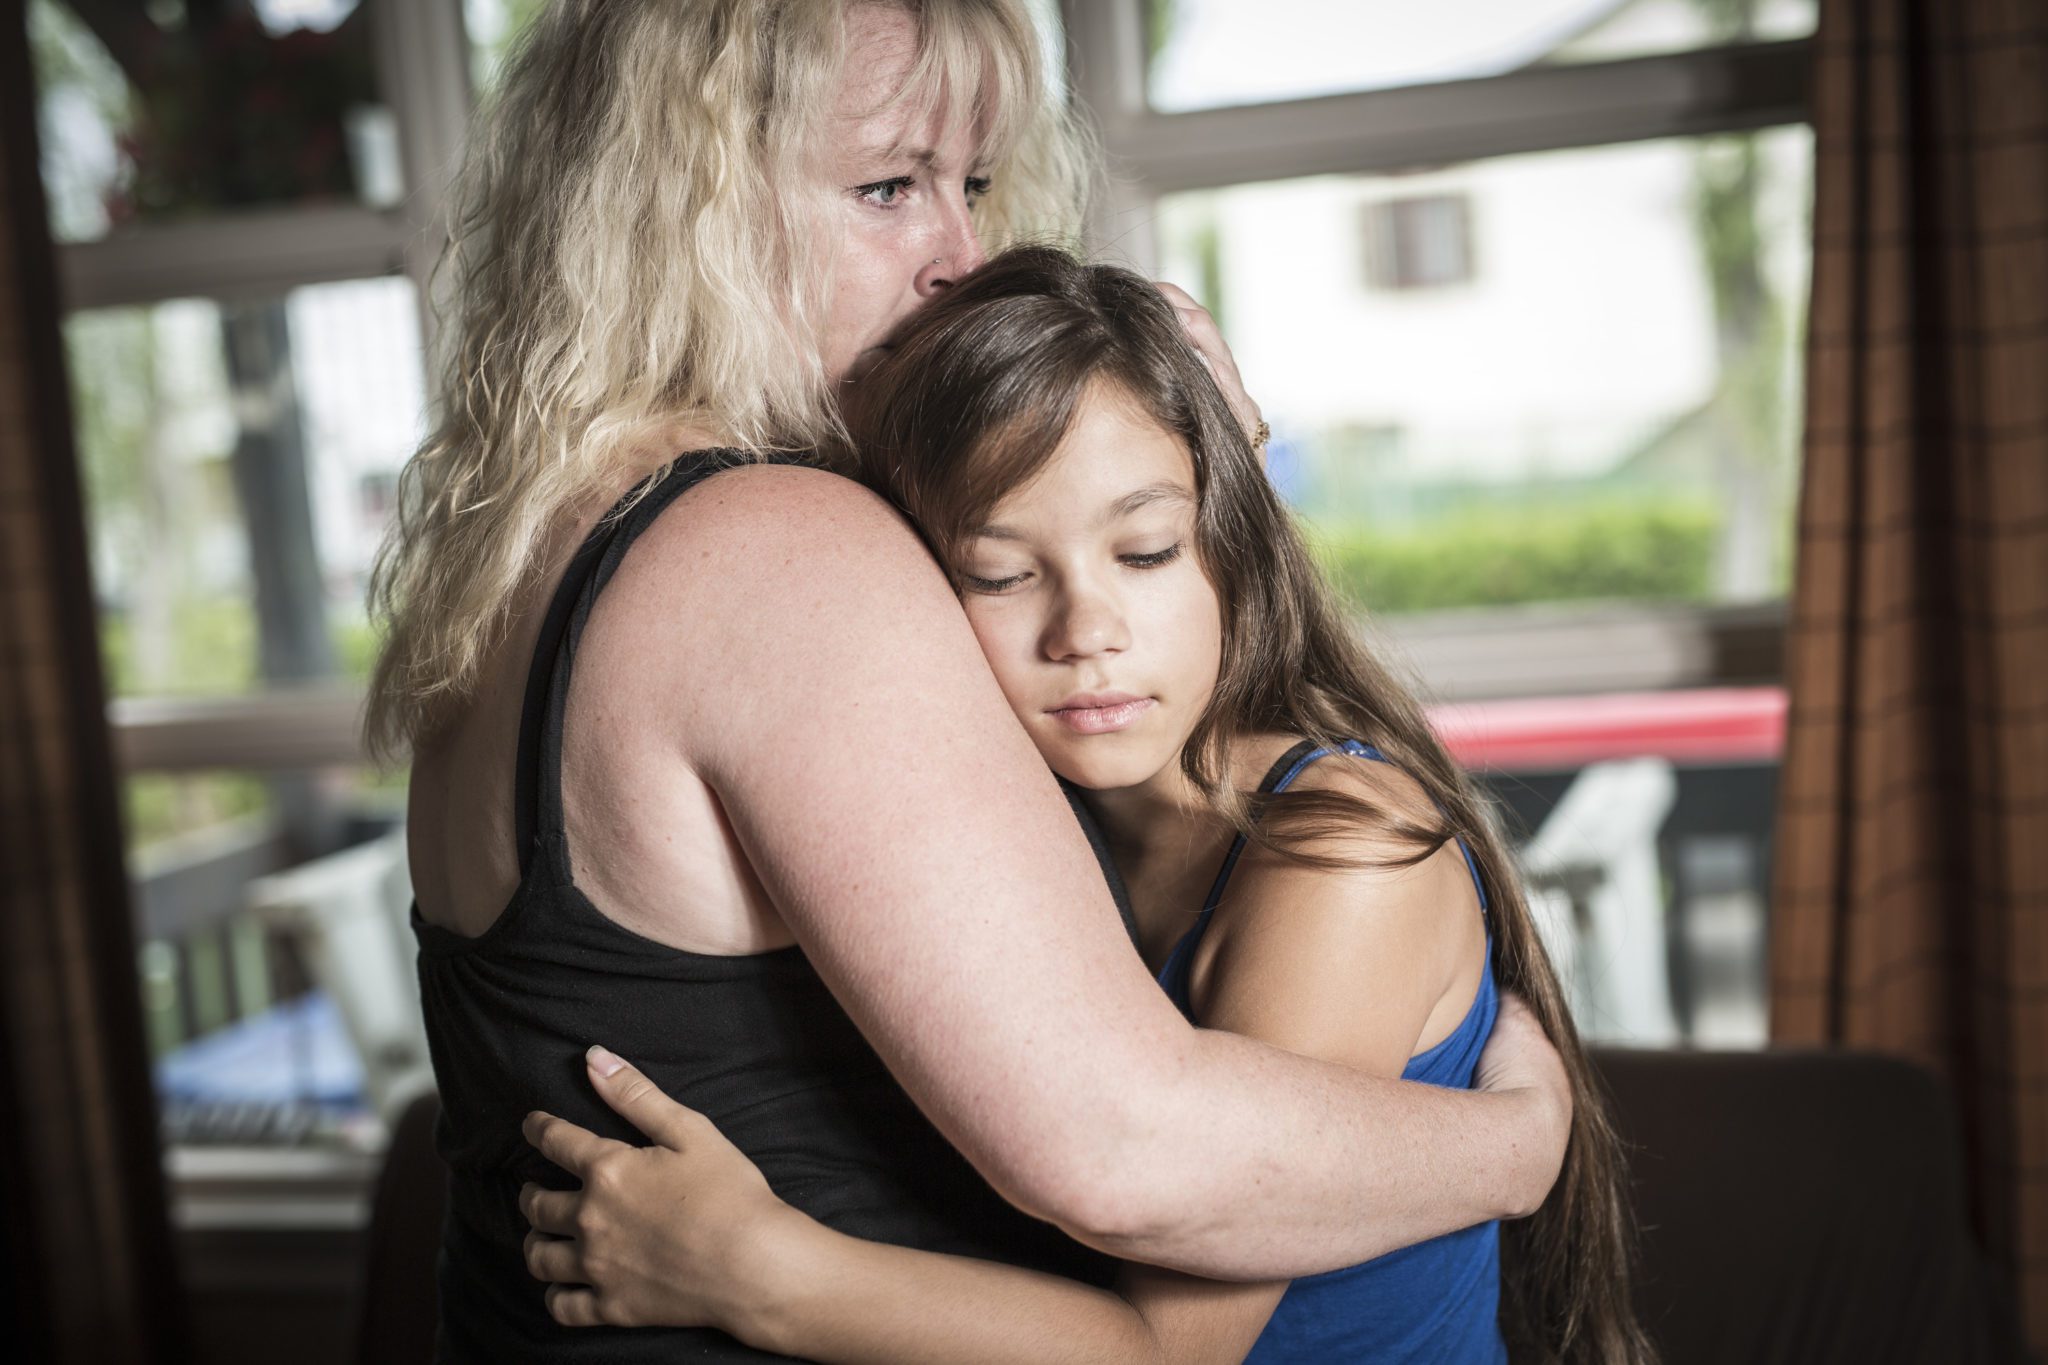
<point x="1164" y="811"/>
<point x="1168" y="843"/>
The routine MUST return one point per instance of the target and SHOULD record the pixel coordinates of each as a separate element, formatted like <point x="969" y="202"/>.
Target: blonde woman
<point x="705" y="760"/>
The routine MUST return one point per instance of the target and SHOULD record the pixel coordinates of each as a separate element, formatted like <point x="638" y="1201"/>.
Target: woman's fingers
<point x="574" y="1306"/>
<point x="550" y="1211"/>
<point x="638" y="1100"/>
<point x="1213" y="351"/>
<point x="557" y="1260"/>
<point x="572" y="1148"/>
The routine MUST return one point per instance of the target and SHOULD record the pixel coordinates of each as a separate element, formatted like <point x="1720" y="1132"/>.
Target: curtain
<point x="1910" y="896"/>
<point x="87" y="1245"/>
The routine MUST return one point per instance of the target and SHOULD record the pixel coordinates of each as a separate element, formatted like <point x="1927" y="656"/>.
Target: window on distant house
<point x="1423" y="242"/>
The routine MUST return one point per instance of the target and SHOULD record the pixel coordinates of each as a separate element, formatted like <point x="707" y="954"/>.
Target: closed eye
<point x="992" y="585"/>
<point x="1154" y="559"/>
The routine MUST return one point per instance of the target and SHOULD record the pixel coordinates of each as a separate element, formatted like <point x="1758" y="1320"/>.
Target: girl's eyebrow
<point x="1137" y="499"/>
<point x="1163" y="491"/>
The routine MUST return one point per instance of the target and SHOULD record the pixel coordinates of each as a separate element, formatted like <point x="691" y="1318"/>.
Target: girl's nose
<point x="1086" y="625"/>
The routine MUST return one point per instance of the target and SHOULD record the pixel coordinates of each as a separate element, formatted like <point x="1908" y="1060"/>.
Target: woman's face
<point x="900" y="225"/>
<point x="1088" y="600"/>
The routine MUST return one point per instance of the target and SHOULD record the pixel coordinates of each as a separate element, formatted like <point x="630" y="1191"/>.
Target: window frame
<point x="420" y="51"/>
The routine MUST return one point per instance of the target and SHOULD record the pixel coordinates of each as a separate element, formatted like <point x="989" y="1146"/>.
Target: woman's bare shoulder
<point x="801" y="500"/>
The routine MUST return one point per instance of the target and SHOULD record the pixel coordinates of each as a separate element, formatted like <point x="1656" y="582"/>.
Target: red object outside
<point x="1711" y="725"/>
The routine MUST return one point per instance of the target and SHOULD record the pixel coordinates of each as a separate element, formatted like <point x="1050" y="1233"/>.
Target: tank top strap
<point x="543" y="845"/>
<point x="1174" y="976"/>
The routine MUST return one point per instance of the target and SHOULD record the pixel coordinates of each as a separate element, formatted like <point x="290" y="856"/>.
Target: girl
<point x="1155" y="624"/>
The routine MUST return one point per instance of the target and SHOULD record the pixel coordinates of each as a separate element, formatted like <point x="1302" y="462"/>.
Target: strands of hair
<point x="632" y="253"/>
<point x="972" y="402"/>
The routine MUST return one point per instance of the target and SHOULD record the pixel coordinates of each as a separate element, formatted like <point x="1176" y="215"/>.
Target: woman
<point x="1160" y="632"/>
<point x="746" y="802"/>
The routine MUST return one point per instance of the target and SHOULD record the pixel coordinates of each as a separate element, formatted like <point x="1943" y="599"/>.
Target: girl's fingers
<point x="572" y="1148"/>
<point x="638" y="1100"/>
<point x="574" y="1306"/>
<point x="555" y="1260"/>
<point x="550" y="1211"/>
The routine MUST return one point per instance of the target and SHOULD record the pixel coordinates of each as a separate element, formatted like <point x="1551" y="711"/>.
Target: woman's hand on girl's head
<point x="1519" y="1058"/>
<point x="1215" y="353"/>
<point x="685" y="1233"/>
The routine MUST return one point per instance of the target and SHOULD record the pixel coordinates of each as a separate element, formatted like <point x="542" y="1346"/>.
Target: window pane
<point x="493" y="26"/>
<point x="240" y="461"/>
<point x="275" y="962"/>
<point x="1207" y="54"/>
<point x="1565" y="376"/>
<point x="158" y="111"/>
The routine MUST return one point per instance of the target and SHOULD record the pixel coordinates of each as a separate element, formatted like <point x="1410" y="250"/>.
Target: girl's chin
<point x="1103" y="771"/>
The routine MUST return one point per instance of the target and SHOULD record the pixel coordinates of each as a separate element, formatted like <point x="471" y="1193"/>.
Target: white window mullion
<point x="256" y="253"/>
<point x="422" y="55"/>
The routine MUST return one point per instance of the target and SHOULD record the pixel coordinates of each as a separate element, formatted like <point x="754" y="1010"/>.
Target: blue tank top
<point x="1436" y="1301"/>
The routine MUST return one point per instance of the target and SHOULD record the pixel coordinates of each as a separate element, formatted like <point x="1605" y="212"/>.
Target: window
<point x="240" y="195"/>
<point x="149" y="115"/>
<point x="1520" y="287"/>
<point x="1418" y="243"/>
<point x="1605" y="412"/>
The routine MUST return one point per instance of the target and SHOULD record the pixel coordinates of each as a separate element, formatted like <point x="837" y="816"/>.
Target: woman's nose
<point x="1086" y="625"/>
<point x="959" y="253"/>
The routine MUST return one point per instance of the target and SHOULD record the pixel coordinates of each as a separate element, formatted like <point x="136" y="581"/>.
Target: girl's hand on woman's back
<point x="684" y="1233"/>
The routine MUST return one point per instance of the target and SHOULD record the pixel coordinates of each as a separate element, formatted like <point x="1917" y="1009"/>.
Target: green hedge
<point x="1661" y="550"/>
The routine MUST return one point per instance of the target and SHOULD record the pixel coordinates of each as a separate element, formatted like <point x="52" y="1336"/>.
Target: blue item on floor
<point x="297" y="1052"/>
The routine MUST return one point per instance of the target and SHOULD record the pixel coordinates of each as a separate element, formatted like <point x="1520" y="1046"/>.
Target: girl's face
<point x="1088" y="600"/>
<point x="899" y="226"/>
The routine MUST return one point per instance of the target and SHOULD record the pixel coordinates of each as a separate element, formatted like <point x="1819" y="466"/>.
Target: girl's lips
<point x="1102" y="715"/>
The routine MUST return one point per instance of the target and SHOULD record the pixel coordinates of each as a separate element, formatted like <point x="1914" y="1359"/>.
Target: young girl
<point x="1305" y="864"/>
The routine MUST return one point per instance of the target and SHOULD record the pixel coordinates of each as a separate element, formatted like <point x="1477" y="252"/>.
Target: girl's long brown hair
<point x="970" y="404"/>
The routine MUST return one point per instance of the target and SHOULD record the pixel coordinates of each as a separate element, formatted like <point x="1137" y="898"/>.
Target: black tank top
<point x="755" y="1042"/>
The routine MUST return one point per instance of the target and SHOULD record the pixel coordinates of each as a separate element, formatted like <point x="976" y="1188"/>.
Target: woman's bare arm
<point x="918" y="848"/>
<point x="1362" y="967"/>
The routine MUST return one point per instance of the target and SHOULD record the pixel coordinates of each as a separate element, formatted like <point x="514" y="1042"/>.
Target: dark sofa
<point x="1796" y="1208"/>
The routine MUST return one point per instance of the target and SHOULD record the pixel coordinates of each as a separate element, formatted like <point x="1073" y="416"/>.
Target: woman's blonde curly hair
<point x="631" y="246"/>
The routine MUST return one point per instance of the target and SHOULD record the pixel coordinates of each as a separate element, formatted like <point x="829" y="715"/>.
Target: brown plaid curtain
<point x="1911" y="886"/>
<point x="87" y="1249"/>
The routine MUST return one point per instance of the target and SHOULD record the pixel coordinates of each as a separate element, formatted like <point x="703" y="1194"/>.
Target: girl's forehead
<point x="1114" y="460"/>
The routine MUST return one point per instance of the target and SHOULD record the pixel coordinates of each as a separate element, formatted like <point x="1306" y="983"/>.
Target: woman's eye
<point x="884" y="193"/>
<point x="1154" y="559"/>
<point x="978" y="186"/>
<point x="991" y="585"/>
